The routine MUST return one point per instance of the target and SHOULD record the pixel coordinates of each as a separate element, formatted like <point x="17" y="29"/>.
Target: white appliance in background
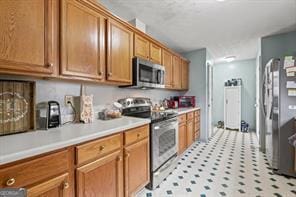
<point x="232" y="107"/>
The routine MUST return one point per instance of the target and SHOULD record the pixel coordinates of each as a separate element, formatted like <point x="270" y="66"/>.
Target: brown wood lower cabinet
<point x="188" y="130"/>
<point x="182" y="138"/>
<point x="103" y="177"/>
<point x="190" y="133"/>
<point x="55" y="187"/>
<point x="136" y="166"/>
<point x="111" y="166"/>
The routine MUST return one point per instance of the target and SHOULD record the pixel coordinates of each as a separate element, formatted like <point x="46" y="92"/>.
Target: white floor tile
<point x="230" y="164"/>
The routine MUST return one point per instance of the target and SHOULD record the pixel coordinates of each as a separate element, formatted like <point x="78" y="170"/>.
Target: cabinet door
<point x="83" y="41"/>
<point x="103" y="177"/>
<point x="190" y="133"/>
<point x="155" y="53"/>
<point x="136" y="170"/>
<point x="55" y="187"/>
<point x="185" y="75"/>
<point x="167" y="62"/>
<point x="141" y="47"/>
<point x="182" y="138"/>
<point x="176" y="72"/>
<point x="120" y="53"/>
<point x="28" y="32"/>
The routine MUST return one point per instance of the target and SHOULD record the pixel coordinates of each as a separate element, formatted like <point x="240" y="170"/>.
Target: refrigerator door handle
<point x="263" y="94"/>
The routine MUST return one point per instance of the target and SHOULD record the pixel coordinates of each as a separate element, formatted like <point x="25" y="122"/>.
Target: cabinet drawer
<point x="182" y="118"/>
<point x="98" y="148"/>
<point x="190" y="116"/>
<point x="134" y="135"/>
<point x="27" y="173"/>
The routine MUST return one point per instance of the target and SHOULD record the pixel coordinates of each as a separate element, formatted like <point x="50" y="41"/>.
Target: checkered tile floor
<point x="230" y="164"/>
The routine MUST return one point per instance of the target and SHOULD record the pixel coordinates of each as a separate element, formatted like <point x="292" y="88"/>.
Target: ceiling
<point x="229" y="28"/>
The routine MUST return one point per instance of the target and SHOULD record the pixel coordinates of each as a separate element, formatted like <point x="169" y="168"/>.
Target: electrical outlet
<point x="69" y="99"/>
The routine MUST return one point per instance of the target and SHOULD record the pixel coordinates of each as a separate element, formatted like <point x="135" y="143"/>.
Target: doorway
<point x="210" y="99"/>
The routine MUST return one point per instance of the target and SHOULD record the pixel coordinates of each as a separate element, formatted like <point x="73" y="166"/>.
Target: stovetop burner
<point x="133" y="107"/>
<point x="162" y="115"/>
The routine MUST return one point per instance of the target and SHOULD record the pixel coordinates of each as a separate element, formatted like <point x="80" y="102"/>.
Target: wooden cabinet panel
<point x="185" y="75"/>
<point x="136" y="134"/>
<point x="176" y="73"/>
<point x="28" y="32"/>
<point x="103" y="177"/>
<point x="120" y="53"/>
<point x="83" y="41"/>
<point x="136" y="168"/>
<point x="190" y="133"/>
<point x="155" y="53"/>
<point x="30" y="172"/>
<point x="190" y="116"/>
<point x="182" y="118"/>
<point x="98" y="148"/>
<point x="182" y="138"/>
<point x="141" y="47"/>
<point x="167" y="62"/>
<point x="55" y="187"/>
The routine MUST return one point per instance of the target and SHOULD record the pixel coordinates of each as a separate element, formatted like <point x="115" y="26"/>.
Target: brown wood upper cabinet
<point x="167" y="62"/>
<point x="141" y="47"/>
<point x="82" y="41"/>
<point x="185" y="74"/>
<point x="177" y="73"/>
<point x="155" y="53"/>
<point x="120" y="52"/>
<point x="28" y="32"/>
<point x="147" y="50"/>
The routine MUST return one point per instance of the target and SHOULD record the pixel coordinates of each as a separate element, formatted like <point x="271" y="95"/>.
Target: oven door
<point x="164" y="141"/>
<point x="149" y="74"/>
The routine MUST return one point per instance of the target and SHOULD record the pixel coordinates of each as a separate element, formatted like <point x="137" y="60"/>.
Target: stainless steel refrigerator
<point x="279" y="118"/>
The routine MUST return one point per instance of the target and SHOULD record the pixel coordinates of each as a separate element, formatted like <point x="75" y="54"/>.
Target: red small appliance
<point x="185" y="101"/>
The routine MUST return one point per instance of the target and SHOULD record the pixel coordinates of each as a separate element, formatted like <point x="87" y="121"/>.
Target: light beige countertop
<point x="186" y="110"/>
<point x="20" y="146"/>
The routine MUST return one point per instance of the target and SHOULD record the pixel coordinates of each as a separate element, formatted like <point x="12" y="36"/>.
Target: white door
<point x="232" y="107"/>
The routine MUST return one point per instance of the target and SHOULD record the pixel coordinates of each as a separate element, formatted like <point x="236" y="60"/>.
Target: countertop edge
<point x="187" y="110"/>
<point x="56" y="146"/>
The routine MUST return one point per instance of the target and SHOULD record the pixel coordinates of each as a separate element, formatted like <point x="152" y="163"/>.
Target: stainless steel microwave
<point x="146" y="74"/>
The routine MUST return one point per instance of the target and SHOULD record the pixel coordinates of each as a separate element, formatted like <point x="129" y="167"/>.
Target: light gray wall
<point x="240" y="69"/>
<point x="197" y="83"/>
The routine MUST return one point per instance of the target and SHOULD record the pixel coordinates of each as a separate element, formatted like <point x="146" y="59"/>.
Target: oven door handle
<point x="167" y="125"/>
<point x="166" y="166"/>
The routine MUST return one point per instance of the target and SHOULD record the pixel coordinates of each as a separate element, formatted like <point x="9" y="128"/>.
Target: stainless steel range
<point x="163" y="137"/>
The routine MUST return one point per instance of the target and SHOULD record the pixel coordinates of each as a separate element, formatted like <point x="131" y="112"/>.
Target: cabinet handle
<point x="10" y="182"/>
<point x="119" y="158"/>
<point x="50" y="65"/>
<point x="127" y="154"/>
<point x="102" y="148"/>
<point x="138" y="135"/>
<point x="109" y="74"/>
<point x="66" y="185"/>
<point x="100" y="73"/>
